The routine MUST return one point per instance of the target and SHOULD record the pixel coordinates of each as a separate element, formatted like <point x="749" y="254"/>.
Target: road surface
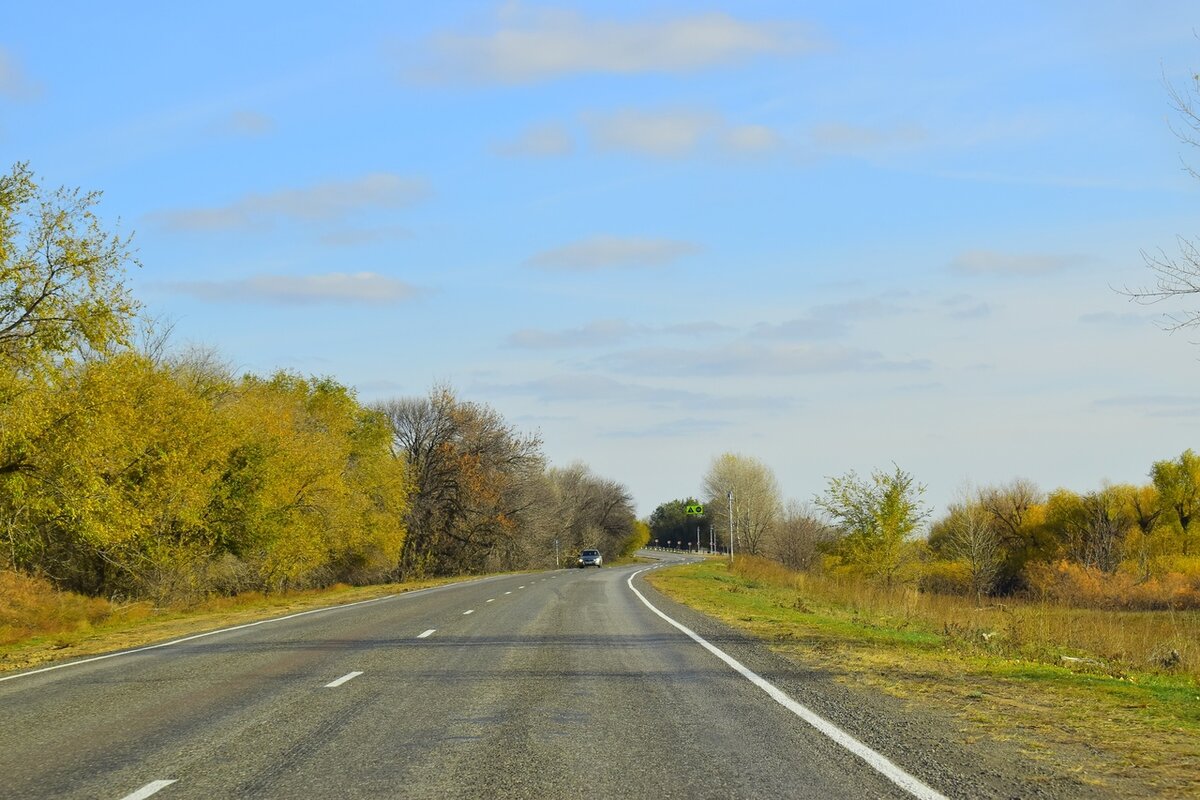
<point x="559" y="685"/>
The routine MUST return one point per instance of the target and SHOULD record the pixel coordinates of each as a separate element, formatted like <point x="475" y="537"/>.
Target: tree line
<point x="1129" y="546"/>
<point x="128" y="470"/>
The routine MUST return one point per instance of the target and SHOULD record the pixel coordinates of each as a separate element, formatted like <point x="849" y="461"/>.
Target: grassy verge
<point x="39" y="624"/>
<point x="1134" y="731"/>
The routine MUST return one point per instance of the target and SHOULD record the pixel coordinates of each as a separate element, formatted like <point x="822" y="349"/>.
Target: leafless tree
<point x="798" y="537"/>
<point x="1008" y="504"/>
<point x="1177" y="275"/>
<point x="973" y="537"/>
<point x="756" y="502"/>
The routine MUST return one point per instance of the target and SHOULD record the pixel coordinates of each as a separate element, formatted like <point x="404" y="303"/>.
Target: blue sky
<point x="829" y="235"/>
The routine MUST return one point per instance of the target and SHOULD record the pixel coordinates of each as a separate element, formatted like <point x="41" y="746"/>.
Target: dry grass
<point x="1134" y="731"/>
<point x="1121" y="641"/>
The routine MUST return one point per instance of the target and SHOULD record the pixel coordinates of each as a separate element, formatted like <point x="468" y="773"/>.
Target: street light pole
<point x="730" y="497"/>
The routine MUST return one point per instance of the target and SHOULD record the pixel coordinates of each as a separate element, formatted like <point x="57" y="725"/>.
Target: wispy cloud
<point x="674" y="133"/>
<point x="1153" y="405"/>
<point x="14" y="83"/>
<point x="538" y="45"/>
<point x="839" y="137"/>
<point x="654" y="133"/>
<point x="353" y="237"/>
<point x="608" y="332"/>
<point x="323" y="202"/>
<point x="750" y="139"/>
<point x="538" y="141"/>
<point x="594" y="334"/>
<point x="335" y="288"/>
<point x="1113" y="319"/>
<point x="607" y="252"/>
<point x="573" y="389"/>
<point x="995" y="262"/>
<point x="965" y="306"/>
<point x="671" y="429"/>
<point x="247" y="123"/>
<point x="745" y="358"/>
<point x="826" y="321"/>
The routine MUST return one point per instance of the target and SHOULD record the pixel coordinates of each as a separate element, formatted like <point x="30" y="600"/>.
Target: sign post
<point x="696" y="510"/>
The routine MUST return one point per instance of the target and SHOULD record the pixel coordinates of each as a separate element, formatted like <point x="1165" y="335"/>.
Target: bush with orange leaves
<point x="1178" y="587"/>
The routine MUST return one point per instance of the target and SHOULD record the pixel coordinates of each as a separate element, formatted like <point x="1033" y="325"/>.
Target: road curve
<point x="559" y="685"/>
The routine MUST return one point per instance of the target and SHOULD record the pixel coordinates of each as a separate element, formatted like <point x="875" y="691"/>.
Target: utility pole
<point x="697" y="538"/>
<point x="730" y="497"/>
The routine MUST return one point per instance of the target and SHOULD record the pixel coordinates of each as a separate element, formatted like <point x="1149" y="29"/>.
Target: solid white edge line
<point x="241" y="627"/>
<point x="877" y="761"/>
<point x="349" y="676"/>
<point x="147" y="790"/>
<point x="427" y="633"/>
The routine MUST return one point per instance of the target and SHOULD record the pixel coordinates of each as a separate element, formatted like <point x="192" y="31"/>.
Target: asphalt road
<point x="562" y="684"/>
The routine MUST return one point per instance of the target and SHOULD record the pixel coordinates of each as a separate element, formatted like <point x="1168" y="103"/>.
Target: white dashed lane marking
<point x="349" y="676"/>
<point x="147" y="790"/>
<point x="426" y="634"/>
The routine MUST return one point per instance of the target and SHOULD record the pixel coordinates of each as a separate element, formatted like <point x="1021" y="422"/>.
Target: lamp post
<point x="730" y="498"/>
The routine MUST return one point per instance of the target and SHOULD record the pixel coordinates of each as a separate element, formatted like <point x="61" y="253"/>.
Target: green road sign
<point x="695" y="510"/>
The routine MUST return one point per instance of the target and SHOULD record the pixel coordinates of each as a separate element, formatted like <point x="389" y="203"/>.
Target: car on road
<point x="590" y="558"/>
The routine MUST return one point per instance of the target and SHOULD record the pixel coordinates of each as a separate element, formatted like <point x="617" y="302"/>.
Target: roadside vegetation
<point x="137" y="479"/>
<point x="1084" y="691"/>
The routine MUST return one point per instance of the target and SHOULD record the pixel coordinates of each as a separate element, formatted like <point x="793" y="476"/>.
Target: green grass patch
<point x="1136" y="732"/>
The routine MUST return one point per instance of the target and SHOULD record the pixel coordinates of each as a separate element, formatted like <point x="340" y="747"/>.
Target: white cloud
<point x="248" y="123"/>
<point x="604" y="332"/>
<point x="330" y="201"/>
<point x="827" y="321"/>
<point x="754" y="359"/>
<point x="539" y="45"/>
<point x="605" y="252"/>
<point x="672" y="429"/>
<point x="1111" y="318"/>
<point x="837" y="137"/>
<point x="654" y="133"/>
<point x="351" y="237"/>
<point x="14" y="83"/>
<point x="538" y="141"/>
<point x="750" y="139"/>
<point x="994" y="262"/>
<point x="336" y="288"/>
<point x="599" y="389"/>
<point x="593" y="334"/>
<point x="671" y="133"/>
<point x="1154" y="405"/>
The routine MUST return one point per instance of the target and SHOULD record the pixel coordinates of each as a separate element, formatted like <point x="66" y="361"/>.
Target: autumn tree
<point x="756" y="499"/>
<point x="62" y="273"/>
<point x="474" y="478"/>
<point x="876" y="517"/>
<point x="1178" y="484"/>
